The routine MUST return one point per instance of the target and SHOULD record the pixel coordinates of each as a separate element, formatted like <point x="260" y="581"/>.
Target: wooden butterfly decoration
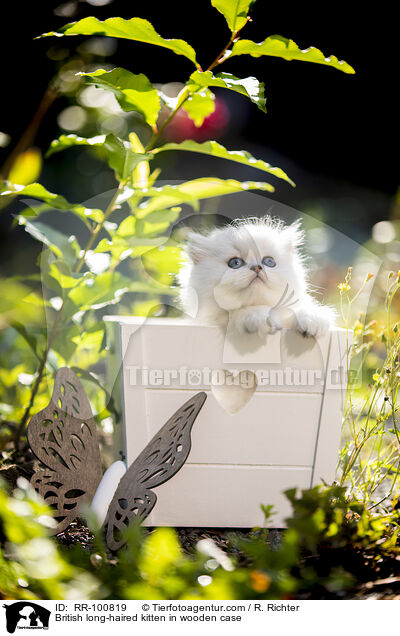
<point x="63" y="437"/>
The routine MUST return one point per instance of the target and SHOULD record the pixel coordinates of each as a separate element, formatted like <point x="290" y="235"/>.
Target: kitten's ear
<point x="293" y="235"/>
<point x="196" y="246"/>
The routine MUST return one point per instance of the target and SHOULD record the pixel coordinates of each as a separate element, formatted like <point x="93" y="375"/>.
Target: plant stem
<point x="218" y="60"/>
<point x="53" y="332"/>
<point x="29" y="134"/>
<point x="156" y="135"/>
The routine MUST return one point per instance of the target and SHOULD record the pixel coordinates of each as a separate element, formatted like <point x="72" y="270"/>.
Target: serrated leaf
<point x="60" y="244"/>
<point x="217" y="150"/>
<point x="38" y="191"/>
<point x="278" y="46"/>
<point x="199" y="106"/>
<point x="69" y="141"/>
<point x="136" y="29"/>
<point x="192" y="191"/>
<point x="234" y="11"/>
<point x="248" y="86"/>
<point x="132" y="92"/>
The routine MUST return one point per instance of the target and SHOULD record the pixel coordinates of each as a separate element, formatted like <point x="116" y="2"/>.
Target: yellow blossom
<point x="358" y="327"/>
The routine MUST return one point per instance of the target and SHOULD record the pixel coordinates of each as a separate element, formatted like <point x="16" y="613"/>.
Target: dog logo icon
<point x="26" y="615"/>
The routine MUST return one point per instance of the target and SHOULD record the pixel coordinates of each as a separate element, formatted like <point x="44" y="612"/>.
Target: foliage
<point x="121" y="252"/>
<point x="124" y="252"/>
<point x="370" y="458"/>
<point x="349" y="542"/>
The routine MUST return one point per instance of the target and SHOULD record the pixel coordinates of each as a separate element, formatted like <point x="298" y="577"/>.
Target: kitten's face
<point x="246" y="265"/>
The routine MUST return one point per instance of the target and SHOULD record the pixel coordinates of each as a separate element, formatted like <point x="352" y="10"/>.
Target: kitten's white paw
<point x="272" y="323"/>
<point x="314" y="322"/>
<point x="252" y="323"/>
<point x="262" y="321"/>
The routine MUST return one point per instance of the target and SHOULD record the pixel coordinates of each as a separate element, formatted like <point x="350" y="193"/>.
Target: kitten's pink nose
<point x="256" y="268"/>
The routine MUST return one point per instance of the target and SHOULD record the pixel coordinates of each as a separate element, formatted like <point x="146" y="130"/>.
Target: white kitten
<point x="252" y="276"/>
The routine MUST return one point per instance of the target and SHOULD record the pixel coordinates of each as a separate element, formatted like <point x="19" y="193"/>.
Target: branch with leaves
<point x="75" y="288"/>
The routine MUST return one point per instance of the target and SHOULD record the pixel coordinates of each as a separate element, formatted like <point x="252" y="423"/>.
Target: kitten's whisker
<point x="282" y="297"/>
<point x="290" y="304"/>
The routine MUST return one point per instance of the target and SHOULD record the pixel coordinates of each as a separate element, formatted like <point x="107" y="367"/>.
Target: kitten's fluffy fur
<point x="249" y="300"/>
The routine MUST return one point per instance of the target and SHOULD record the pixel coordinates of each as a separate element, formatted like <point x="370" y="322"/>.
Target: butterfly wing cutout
<point x="63" y="437"/>
<point x="162" y="458"/>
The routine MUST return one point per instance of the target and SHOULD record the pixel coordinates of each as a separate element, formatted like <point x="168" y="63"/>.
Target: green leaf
<point x="135" y="29"/>
<point x="156" y="222"/>
<point x="192" y="191"/>
<point x="217" y="150"/>
<point x="160" y="551"/>
<point x="105" y="289"/>
<point x="248" y="86"/>
<point x="121" y="158"/>
<point x="199" y="106"/>
<point x="28" y="337"/>
<point x="118" y="152"/>
<point x="37" y="191"/>
<point x="61" y="245"/>
<point x="60" y="271"/>
<point x="234" y="11"/>
<point x="163" y="263"/>
<point x="278" y="46"/>
<point x="64" y="342"/>
<point x="133" y="92"/>
<point x="17" y="303"/>
<point x="69" y="141"/>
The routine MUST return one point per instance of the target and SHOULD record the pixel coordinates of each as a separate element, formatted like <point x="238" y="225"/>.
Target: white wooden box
<point x="286" y="435"/>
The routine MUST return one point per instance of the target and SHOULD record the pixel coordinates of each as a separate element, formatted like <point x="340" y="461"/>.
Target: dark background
<point x="336" y="134"/>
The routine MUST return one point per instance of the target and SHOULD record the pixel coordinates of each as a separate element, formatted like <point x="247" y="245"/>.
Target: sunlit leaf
<point x="278" y="46"/>
<point x="37" y="191"/>
<point x="136" y="29"/>
<point x="157" y="222"/>
<point x="121" y="158"/>
<point x="141" y="174"/>
<point x="248" y="86"/>
<point x="160" y="551"/>
<point x="118" y="152"/>
<point x="61" y="272"/>
<point x="69" y="141"/>
<point x="133" y="92"/>
<point x="12" y="305"/>
<point x="103" y="290"/>
<point x="217" y="150"/>
<point x="26" y="168"/>
<point x="163" y="263"/>
<point x="199" y="106"/>
<point x="234" y="11"/>
<point x="192" y="191"/>
<point x="60" y="244"/>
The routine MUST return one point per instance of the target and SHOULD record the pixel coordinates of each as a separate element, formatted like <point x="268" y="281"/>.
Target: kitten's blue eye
<point x="269" y="261"/>
<point x="236" y="262"/>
